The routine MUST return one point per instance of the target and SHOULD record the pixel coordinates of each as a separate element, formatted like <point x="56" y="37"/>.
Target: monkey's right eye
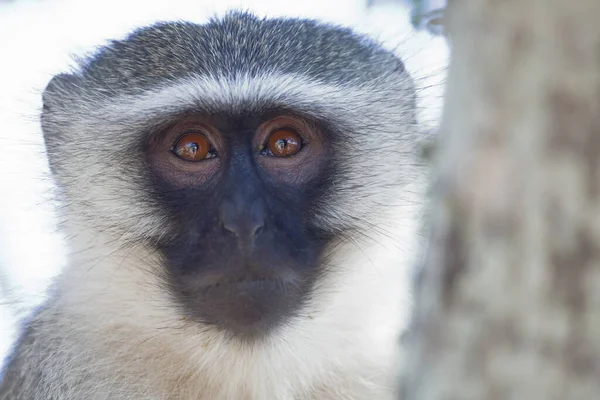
<point x="193" y="147"/>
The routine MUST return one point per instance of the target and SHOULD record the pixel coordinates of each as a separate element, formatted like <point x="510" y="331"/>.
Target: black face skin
<point x="243" y="256"/>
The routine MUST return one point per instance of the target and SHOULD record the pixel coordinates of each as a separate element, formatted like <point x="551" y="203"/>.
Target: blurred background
<point x="39" y="38"/>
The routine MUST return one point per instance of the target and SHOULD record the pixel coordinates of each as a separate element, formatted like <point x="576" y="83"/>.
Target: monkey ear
<point x="54" y="99"/>
<point x="55" y="90"/>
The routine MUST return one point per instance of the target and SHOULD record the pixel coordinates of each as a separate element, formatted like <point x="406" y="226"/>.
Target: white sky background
<point x="37" y="39"/>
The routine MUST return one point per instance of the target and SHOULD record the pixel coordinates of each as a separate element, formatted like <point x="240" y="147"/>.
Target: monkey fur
<point x="123" y="320"/>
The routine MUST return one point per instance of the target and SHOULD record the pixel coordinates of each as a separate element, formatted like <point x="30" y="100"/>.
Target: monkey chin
<point x="248" y="309"/>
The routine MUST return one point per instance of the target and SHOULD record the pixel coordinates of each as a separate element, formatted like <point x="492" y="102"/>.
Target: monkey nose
<point x="244" y="229"/>
<point x="245" y="223"/>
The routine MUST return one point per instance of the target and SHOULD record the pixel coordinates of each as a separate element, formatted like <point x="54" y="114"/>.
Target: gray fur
<point x="108" y="330"/>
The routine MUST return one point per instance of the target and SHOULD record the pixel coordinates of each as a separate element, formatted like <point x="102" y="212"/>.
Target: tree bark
<point x="507" y="305"/>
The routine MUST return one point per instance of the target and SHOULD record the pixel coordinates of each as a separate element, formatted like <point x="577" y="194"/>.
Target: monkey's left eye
<point x="283" y="143"/>
<point x="193" y="147"/>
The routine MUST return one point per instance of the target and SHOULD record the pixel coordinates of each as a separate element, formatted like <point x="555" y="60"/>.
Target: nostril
<point x="258" y="229"/>
<point x="239" y="230"/>
<point x="230" y="228"/>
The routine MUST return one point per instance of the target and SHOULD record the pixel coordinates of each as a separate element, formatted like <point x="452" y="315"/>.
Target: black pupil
<point x="192" y="147"/>
<point x="281" y="143"/>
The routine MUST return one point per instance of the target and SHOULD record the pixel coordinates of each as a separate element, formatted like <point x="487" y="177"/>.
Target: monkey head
<point x="248" y="154"/>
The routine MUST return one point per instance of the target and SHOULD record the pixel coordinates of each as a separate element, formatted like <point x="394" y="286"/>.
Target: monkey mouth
<point x="248" y="307"/>
<point x="282" y="277"/>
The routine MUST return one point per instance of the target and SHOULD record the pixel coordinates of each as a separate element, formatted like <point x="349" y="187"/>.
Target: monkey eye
<point x="283" y="143"/>
<point x="193" y="147"/>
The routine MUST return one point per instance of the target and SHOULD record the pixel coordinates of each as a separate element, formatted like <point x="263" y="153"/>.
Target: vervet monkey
<point x="240" y="201"/>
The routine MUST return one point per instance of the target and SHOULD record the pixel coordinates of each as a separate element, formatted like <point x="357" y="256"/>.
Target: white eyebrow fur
<point x="210" y="94"/>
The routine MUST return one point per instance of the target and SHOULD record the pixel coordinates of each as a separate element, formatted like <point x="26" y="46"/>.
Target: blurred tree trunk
<point x="508" y="302"/>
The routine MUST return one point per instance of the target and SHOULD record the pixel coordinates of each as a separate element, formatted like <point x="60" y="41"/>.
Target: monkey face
<point x="243" y="252"/>
<point x="254" y="157"/>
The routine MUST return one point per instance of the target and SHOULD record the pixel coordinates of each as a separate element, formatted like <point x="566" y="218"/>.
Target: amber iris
<point x="192" y="147"/>
<point x="284" y="143"/>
